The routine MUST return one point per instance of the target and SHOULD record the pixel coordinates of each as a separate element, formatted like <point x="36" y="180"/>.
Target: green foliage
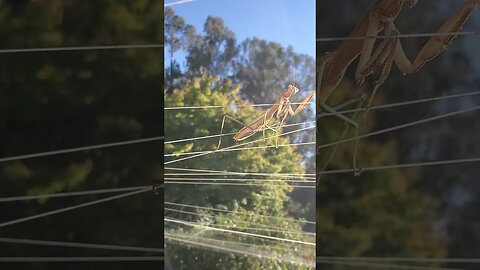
<point x="174" y="28"/>
<point x="58" y="100"/>
<point x="377" y="213"/>
<point x="74" y="175"/>
<point x="263" y="68"/>
<point x="454" y="188"/>
<point x="249" y="201"/>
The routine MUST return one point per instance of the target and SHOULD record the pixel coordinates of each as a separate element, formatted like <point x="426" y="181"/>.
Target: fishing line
<point x="70" y="194"/>
<point x="408" y="165"/>
<point x="83" y="148"/>
<point x="239" y="173"/>
<point x="394" y="128"/>
<point x="77" y="245"/>
<point x="81" y="48"/>
<point x="285" y="177"/>
<point x="54" y="212"/>
<point x="240" y="233"/>
<point x="234" y="146"/>
<point x="277" y="246"/>
<point x="83" y="259"/>
<point x="403" y="259"/>
<point x="177" y="3"/>
<point x="239" y="149"/>
<point x="432" y="34"/>
<point x="268" y="228"/>
<point x="240" y="179"/>
<point x="232" y="184"/>
<point x="241" y="252"/>
<point x="236" y="212"/>
<point x="227" y="134"/>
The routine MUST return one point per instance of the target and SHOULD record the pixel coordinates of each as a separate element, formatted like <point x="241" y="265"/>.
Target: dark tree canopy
<point x="57" y="100"/>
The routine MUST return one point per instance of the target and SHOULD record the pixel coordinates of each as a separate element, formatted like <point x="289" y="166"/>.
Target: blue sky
<point x="288" y="22"/>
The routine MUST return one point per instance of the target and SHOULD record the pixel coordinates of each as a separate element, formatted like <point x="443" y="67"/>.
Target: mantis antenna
<point x="294" y="70"/>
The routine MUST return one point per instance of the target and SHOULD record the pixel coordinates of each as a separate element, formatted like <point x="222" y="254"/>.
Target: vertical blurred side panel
<point x="160" y="189"/>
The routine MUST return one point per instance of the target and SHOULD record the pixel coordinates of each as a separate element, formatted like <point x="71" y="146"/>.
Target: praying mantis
<point x="278" y="112"/>
<point x="380" y="17"/>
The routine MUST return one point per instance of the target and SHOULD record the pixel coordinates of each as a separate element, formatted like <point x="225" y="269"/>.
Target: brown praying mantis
<point x="380" y="17"/>
<point x="277" y="113"/>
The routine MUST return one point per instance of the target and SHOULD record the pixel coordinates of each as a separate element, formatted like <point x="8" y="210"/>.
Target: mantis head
<point x="388" y="10"/>
<point x="292" y="90"/>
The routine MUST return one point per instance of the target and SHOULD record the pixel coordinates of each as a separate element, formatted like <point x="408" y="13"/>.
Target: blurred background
<point x="248" y="205"/>
<point x="54" y="100"/>
<point x="414" y="212"/>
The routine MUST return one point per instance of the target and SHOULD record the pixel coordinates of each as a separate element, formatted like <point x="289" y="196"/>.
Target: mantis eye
<point x="293" y="88"/>
<point x="412" y="3"/>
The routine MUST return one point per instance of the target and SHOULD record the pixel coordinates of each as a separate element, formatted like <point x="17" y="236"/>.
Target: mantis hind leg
<point x="275" y="129"/>
<point x="278" y="130"/>
<point x="382" y="59"/>
<point x="360" y="100"/>
<point x="223" y="124"/>
<point x="264" y="128"/>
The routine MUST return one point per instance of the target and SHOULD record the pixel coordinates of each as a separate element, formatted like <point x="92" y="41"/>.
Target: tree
<point x="57" y="100"/>
<point x="174" y="28"/>
<point x="266" y="199"/>
<point x="215" y="51"/>
<point x="265" y="69"/>
<point x="377" y="214"/>
<point x="454" y="187"/>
